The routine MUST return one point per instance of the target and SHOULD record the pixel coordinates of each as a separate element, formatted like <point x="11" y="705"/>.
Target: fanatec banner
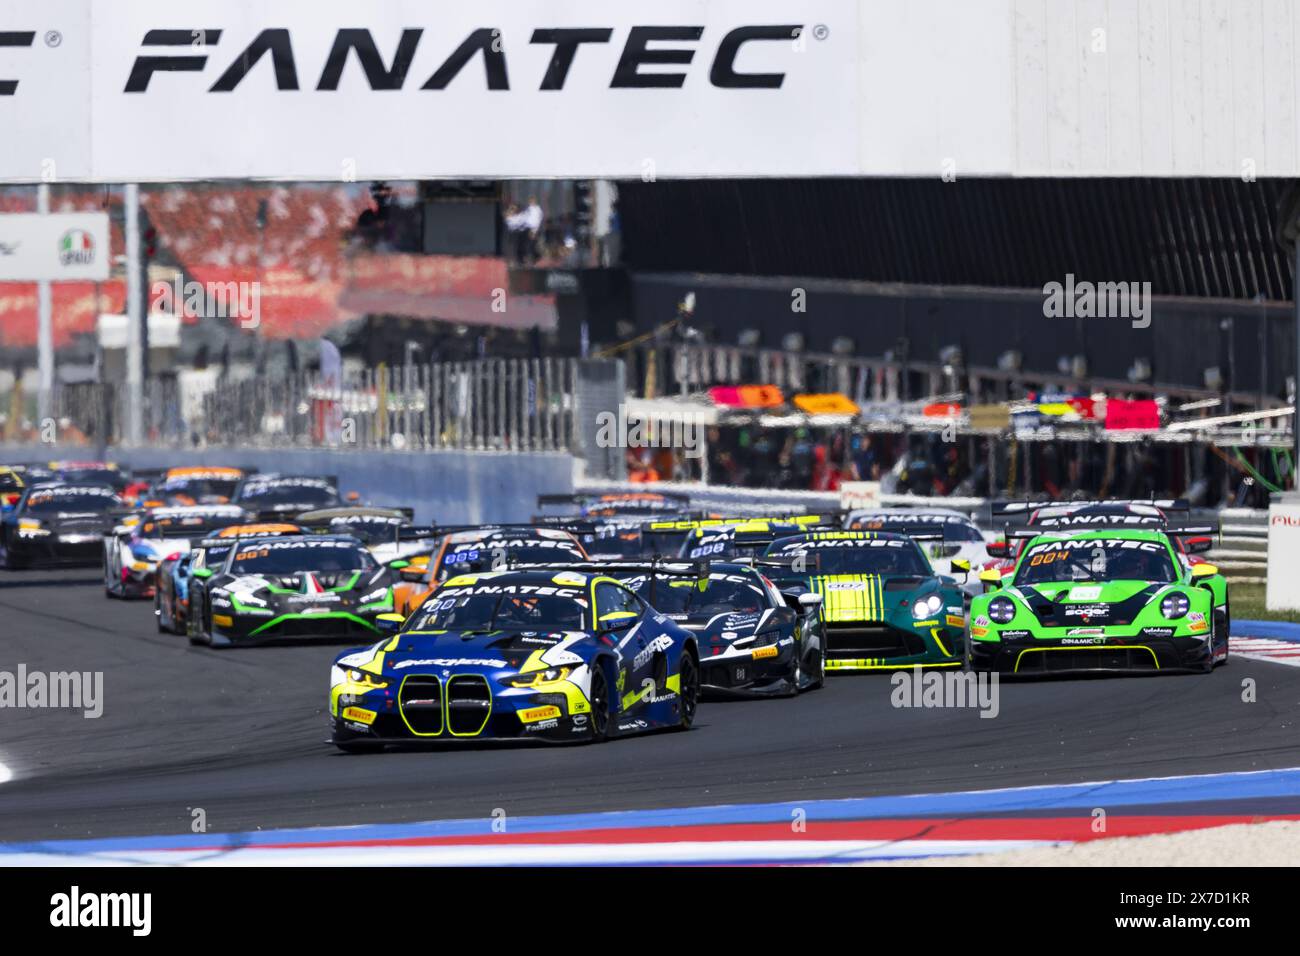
<point x="154" y="90"/>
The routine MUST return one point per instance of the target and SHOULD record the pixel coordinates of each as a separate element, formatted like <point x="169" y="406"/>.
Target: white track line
<point x="1266" y="649"/>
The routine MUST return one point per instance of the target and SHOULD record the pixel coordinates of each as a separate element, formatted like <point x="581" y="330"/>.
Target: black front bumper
<point x="248" y="631"/>
<point x="1128" y="654"/>
<point x="426" y="710"/>
<point x="50" y="551"/>
<point x="747" y="676"/>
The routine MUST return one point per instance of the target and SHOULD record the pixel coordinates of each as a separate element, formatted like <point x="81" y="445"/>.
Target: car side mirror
<point x="998" y="549"/>
<point x="412" y="573"/>
<point x="399" y="564"/>
<point x="1204" y="570"/>
<point x="201" y="573"/>
<point x="810" y="601"/>
<point x="960" y="566"/>
<point x="991" y="579"/>
<point x="389" y="623"/>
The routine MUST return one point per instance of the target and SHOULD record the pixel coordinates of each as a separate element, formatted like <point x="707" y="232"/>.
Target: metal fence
<point x="490" y="404"/>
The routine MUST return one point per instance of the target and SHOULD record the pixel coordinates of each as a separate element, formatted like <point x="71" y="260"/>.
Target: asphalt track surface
<point x="241" y="734"/>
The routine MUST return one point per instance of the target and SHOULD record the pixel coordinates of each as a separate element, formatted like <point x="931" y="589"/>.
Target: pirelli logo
<point x="359" y="714"/>
<point x="534" y="714"/>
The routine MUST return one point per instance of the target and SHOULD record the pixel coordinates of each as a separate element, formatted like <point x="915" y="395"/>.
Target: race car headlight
<point x="1175" y="605"/>
<point x="1002" y="610"/>
<point x="927" y="607"/>
<point x="538" y="678"/>
<point x="362" y="681"/>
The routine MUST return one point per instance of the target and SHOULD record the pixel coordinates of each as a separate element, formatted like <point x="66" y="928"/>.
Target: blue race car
<point x="544" y="654"/>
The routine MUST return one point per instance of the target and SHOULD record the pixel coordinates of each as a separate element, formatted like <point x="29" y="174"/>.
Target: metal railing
<point x="489" y="404"/>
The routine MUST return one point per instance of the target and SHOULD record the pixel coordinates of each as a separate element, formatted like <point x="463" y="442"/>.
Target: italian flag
<point x="78" y="240"/>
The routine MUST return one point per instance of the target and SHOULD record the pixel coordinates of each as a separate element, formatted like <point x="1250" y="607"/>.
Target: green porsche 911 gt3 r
<point x="1113" y="600"/>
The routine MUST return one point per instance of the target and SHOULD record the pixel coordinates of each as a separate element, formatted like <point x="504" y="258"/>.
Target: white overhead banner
<point x="58" y="246"/>
<point x="153" y="90"/>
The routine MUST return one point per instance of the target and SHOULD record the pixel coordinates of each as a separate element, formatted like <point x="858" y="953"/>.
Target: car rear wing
<point x="1173" y="529"/>
<point x="917" y="530"/>
<point x="811" y="564"/>
<point x="419" y="532"/>
<point x="583" y="497"/>
<point x="1023" y="508"/>
<point x="667" y="567"/>
<point x="822" y="521"/>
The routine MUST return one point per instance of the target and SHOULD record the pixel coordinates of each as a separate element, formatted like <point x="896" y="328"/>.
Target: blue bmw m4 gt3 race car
<point x="543" y="654"/>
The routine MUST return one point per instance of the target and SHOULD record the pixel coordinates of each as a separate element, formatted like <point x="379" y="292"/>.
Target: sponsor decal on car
<point x="763" y="652"/>
<point x="450" y="662"/>
<point x="535" y="714"/>
<point x="360" y="715"/>
<point x="954" y="620"/>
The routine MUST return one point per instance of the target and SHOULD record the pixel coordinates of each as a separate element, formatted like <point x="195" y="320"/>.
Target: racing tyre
<point x="7" y="561"/>
<point x="819" y="675"/>
<point x="195" y="628"/>
<point x="796" y="678"/>
<point x="600" y="703"/>
<point x="1227" y="634"/>
<point x="690" y="689"/>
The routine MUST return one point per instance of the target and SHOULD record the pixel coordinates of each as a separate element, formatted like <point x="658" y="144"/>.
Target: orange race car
<point x="481" y="549"/>
<point x="195" y="485"/>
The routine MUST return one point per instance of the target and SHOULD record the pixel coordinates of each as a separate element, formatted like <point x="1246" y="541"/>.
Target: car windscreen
<point x="197" y="489"/>
<point x="291" y="557"/>
<point x="1095" y="559"/>
<point x="613" y="541"/>
<point x="370" y="531"/>
<point x="512" y="608"/>
<point x="185" y="526"/>
<point x="106" y="476"/>
<point x="314" y="494"/>
<point x="68" y="501"/>
<point x="865" y="556"/>
<point x="491" y="555"/>
<point x="701" y="598"/>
